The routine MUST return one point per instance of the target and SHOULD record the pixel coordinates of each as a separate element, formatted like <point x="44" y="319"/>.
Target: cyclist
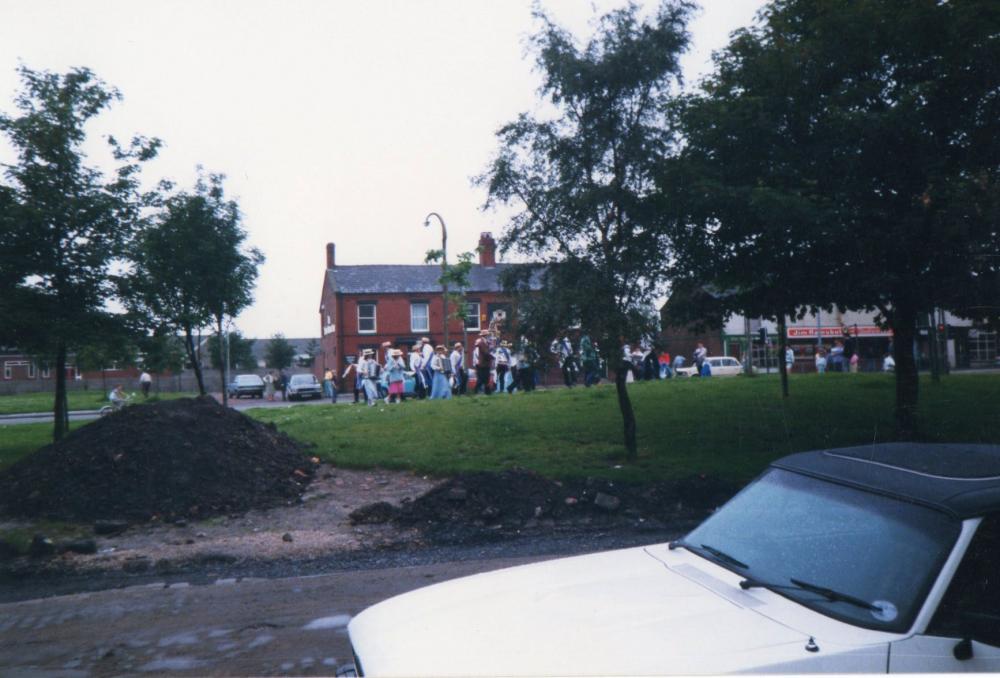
<point x="118" y="397"/>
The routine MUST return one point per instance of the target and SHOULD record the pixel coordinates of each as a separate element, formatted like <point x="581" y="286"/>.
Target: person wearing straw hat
<point x="481" y="359"/>
<point x="370" y="370"/>
<point x="394" y="368"/>
<point x="457" y="358"/>
<point x="426" y="355"/>
<point x="501" y="358"/>
<point x="441" y="367"/>
<point x="417" y="367"/>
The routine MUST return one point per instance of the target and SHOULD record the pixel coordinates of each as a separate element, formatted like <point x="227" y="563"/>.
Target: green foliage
<point x="582" y="181"/>
<point x="65" y="226"/>
<point x="191" y="265"/>
<point x="279" y="353"/>
<point x="846" y="153"/>
<point x="162" y="351"/>
<point x="240" y="352"/>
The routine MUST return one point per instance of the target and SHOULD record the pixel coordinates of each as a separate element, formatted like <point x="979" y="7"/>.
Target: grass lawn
<point x="729" y="427"/>
<point x="20" y="440"/>
<point x="78" y="400"/>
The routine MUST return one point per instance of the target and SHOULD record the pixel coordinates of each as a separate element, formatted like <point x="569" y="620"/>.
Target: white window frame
<point x="373" y="317"/>
<point x="426" y="327"/>
<point x="468" y="315"/>
<point x="46" y="372"/>
<point x="31" y="370"/>
<point x="8" y="370"/>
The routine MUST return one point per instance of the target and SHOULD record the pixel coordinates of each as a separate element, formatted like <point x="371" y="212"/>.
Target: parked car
<point x="249" y="385"/>
<point x="304" y="386"/>
<point x="873" y="559"/>
<point x="722" y="366"/>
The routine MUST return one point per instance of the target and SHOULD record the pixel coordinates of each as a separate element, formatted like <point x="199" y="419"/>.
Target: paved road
<point x="247" y="627"/>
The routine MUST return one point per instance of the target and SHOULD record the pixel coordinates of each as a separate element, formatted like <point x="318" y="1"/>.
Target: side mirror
<point x="963" y="650"/>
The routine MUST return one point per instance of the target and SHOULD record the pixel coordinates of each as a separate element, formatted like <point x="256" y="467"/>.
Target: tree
<point x="852" y="150"/>
<point x="312" y="350"/>
<point x="582" y="181"/>
<point x="240" y="351"/>
<point x="66" y="224"/>
<point x="279" y="353"/>
<point x="191" y="269"/>
<point x="162" y="351"/>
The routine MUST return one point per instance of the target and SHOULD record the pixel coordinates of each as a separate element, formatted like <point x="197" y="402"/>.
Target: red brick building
<point x="363" y="306"/>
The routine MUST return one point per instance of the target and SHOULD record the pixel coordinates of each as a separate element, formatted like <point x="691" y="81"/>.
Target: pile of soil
<point x="178" y="459"/>
<point x="478" y="505"/>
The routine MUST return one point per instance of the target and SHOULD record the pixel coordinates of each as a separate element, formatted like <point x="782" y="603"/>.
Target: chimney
<point x="331" y="261"/>
<point x="487" y="250"/>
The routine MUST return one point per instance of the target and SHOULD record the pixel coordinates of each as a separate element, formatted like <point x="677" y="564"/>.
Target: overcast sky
<point x="334" y="121"/>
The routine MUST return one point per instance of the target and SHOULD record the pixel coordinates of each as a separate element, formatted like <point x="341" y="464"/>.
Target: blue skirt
<point x="440" y="387"/>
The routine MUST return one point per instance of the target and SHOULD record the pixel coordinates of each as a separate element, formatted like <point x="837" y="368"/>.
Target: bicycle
<point x="115" y="407"/>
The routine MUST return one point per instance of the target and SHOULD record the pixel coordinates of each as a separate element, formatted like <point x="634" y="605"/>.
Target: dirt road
<point x="246" y="627"/>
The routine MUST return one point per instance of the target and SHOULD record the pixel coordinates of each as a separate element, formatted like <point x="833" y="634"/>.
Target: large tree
<point x="279" y="352"/>
<point x="846" y="153"/>
<point x="66" y="226"/>
<point x="192" y="268"/>
<point x="581" y="179"/>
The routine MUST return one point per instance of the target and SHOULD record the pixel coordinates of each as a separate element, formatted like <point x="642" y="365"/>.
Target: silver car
<point x="304" y="386"/>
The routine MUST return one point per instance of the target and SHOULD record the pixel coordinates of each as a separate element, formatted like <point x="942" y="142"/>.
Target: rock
<point x="133" y="565"/>
<point x="7" y="550"/>
<point x="373" y="514"/>
<point x="41" y="546"/>
<point x="85" y="546"/>
<point x="458" y="494"/>
<point x="287" y="536"/>
<point x="607" y="502"/>
<point x="107" y="527"/>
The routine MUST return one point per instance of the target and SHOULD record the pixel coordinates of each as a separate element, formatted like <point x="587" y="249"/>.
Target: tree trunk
<point x="193" y="357"/>
<point x="60" y="413"/>
<point x="223" y="363"/>
<point x="628" y="416"/>
<point x="782" y="347"/>
<point x="904" y="322"/>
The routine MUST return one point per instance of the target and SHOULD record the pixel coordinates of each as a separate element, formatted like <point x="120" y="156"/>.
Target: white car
<point x="722" y="366"/>
<point x="876" y="559"/>
<point x="304" y="386"/>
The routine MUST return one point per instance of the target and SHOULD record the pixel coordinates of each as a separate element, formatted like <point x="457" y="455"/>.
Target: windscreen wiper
<point x="711" y="550"/>
<point x="798" y="584"/>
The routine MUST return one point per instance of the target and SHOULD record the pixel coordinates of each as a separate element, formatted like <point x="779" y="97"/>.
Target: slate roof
<point x="395" y="279"/>
<point x="957" y="478"/>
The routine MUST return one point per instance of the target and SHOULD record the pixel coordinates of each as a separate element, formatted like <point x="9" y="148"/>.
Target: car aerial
<point x="722" y="366"/>
<point x="304" y="386"/>
<point x="873" y="559"/>
<point x="249" y="385"/>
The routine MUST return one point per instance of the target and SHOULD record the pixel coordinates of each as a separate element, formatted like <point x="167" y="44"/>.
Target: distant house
<point x="302" y="360"/>
<point x="363" y="306"/>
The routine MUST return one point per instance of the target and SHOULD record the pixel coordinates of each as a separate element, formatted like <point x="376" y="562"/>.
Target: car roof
<point x="957" y="478"/>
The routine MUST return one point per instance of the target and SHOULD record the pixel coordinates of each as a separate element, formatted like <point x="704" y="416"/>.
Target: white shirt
<point x="457" y="360"/>
<point x="144" y="378"/>
<point x="415" y="362"/>
<point x="426" y="354"/>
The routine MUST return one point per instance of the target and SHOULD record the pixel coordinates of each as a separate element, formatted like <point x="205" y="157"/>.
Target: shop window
<point x="982" y="345"/>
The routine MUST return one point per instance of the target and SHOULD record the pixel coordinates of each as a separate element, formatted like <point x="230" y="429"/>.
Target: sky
<point x="334" y="121"/>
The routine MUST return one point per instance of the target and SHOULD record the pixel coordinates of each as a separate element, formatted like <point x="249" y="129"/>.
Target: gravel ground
<point x="312" y="537"/>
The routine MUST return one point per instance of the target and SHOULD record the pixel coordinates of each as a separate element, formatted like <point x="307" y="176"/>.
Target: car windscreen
<point x="302" y="379"/>
<point x="249" y="380"/>
<point x="875" y="556"/>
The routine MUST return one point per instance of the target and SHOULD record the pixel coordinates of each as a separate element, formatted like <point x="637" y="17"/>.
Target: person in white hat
<point x="457" y="358"/>
<point x="370" y="370"/>
<point x="394" y="368"/>
<point x="481" y="359"/>
<point x="441" y="366"/>
<point x="417" y="367"/>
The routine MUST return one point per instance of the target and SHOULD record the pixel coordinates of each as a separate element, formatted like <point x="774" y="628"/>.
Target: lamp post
<point x="444" y="272"/>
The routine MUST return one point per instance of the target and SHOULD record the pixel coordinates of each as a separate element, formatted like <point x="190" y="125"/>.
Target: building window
<point x="366" y="318"/>
<point x="8" y="372"/>
<point x="472" y="315"/>
<point x="982" y="345"/>
<point x="31" y="370"/>
<point x="419" y="320"/>
<point x="46" y="372"/>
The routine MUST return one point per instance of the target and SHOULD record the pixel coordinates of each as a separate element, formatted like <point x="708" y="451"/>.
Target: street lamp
<point x="444" y="272"/>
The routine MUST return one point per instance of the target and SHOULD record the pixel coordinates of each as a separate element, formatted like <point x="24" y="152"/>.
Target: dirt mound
<point x="477" y="505"/>
<point x="187" y="458"/>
